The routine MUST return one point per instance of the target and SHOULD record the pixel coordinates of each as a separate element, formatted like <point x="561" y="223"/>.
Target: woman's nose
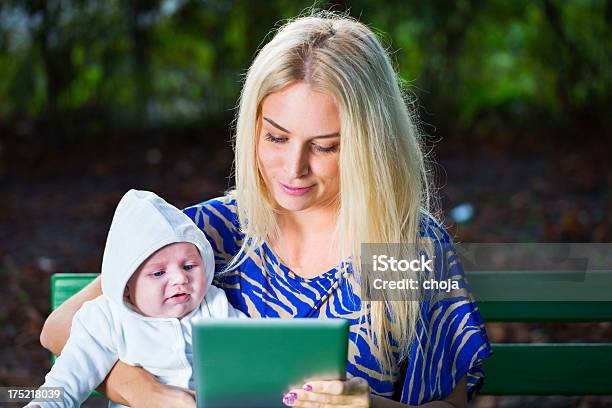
<point x="296" y="162"/>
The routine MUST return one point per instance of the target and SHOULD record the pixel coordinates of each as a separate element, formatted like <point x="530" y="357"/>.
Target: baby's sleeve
<point x="87" y="357"/>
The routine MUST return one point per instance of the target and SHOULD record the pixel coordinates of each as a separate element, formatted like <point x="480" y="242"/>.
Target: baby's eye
<point x="189" y="267"/>
<point x="158" y="274"/>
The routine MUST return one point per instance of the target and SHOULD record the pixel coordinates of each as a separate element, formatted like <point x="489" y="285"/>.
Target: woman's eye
<point x="158" y="274"/>
<point x="274" y="139"/>
<point x="321" y="149"/>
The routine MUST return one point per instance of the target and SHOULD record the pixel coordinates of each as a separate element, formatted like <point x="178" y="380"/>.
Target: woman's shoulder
<point x="227" y="201"/>
<point x="218" y="219"/>
<point x="221" y="209"/>
<point x="431" y="228"/>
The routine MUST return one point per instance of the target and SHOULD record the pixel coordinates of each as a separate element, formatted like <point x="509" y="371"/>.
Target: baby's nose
<point x="179" y="277"/>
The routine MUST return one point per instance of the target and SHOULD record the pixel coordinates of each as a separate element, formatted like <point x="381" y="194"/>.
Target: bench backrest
<point x="514" y="368"/>
<point x="545" y="368"/>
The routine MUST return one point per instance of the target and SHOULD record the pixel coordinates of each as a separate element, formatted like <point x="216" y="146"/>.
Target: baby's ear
<point x="126" y="292"/>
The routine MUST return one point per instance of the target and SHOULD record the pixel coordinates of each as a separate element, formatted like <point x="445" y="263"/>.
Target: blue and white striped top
<point x="454" y="341"/>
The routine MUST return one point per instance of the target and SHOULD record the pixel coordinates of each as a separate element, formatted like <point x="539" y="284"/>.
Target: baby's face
<point x="170" y="283"/>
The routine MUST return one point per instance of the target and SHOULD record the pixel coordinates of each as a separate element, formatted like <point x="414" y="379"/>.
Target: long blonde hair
<point x="383" y="178"/>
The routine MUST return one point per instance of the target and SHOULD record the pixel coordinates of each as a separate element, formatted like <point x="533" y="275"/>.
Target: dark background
<point x="97" y="97"/>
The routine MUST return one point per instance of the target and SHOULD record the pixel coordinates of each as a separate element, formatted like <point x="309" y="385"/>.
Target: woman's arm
<point x="125" y="384"/>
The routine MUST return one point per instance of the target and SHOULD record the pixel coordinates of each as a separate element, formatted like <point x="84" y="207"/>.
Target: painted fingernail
<point x="307" y="387"/>
<point x="289" y="398"/>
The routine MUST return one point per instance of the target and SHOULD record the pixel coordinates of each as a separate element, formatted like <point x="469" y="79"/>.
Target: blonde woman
<point x="327" y="158"/>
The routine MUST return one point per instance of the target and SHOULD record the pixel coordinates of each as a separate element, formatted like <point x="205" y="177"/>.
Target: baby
<point x="156" y="281"/>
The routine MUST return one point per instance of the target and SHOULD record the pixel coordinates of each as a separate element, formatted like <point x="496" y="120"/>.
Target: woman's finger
<point x="308" y="404"/>
<point x="352" y="386"/>
<point x="332" y="387"/>
<point x="322" y="399"/>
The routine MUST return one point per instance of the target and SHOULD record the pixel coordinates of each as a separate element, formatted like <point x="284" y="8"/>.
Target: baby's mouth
<point x="179" y="297"/>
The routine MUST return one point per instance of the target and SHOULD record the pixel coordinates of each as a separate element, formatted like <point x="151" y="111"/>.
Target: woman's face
<point x="298" y="147"/>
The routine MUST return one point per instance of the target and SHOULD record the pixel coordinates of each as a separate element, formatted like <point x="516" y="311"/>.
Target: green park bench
<point x="546" y="368"/>
<point x="514" y="368"/>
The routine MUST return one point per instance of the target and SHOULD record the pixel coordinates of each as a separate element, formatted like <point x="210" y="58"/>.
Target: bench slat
<point x="564" y="286"/>
<point x="64" y="285"/>
<point x="543" y="296"/>
<point x="545" y="311"/>
<point x="549" y="369"/>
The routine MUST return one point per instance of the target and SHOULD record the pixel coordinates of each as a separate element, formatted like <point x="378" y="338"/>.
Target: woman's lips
<point x="295" y="191"/>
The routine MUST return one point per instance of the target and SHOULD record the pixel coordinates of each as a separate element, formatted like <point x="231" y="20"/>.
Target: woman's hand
<point x="353" y="393"/>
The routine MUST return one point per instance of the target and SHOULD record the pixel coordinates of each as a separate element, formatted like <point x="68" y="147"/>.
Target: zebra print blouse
<point x="453" y="339"/>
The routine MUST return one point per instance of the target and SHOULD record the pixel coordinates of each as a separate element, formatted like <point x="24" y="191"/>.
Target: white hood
<point x="142" y="224"/>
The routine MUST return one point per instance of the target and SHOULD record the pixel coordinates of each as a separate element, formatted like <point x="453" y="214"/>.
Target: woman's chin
<point x="293" y="203"/>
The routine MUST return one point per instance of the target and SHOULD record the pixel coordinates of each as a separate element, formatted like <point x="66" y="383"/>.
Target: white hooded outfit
<point x="108" y="328"/>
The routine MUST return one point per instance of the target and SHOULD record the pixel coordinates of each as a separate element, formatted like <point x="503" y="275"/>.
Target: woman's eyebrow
<point x="279" y="127"/>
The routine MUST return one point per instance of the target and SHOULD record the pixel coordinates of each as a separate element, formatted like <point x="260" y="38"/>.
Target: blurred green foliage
<point x="163" y="62"/>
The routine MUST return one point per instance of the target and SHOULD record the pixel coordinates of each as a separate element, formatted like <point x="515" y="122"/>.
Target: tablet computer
<point x="254" y="362"/>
